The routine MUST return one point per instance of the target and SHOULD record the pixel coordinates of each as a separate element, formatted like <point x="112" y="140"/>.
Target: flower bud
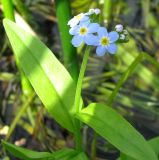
<point x="122" y="37"/>
<point x="119" y="27"/>
<point x="125" y="32"/>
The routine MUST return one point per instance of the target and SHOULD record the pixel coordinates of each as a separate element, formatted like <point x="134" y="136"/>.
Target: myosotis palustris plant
<point x="62" y="97"/>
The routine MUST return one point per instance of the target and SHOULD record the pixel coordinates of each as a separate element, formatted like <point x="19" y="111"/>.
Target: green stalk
<point x="19" y="115"/>
<point x="78" y="138"/>
<point x="20" y="6"/>
<point x="151" y="59"/>
<point x="94" y="147"/>
<point x="8" y="9"/>
<point x="107" y="9"/>
<point x="146" y="10"/>
<point x="124" y="77"/>
<point x="63" y="14"/>
<point x="80" y="79"/>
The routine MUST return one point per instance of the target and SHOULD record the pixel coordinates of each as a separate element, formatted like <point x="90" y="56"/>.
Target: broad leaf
<point x="154" y="143"/>
<point x="125" y="157"/>
<point x="49" y="78"/>
<point x="26" y="154"/>
<point x="114" y="128"/>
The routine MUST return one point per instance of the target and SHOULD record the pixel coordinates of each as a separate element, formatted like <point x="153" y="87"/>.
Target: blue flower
<point x="84" y="33"/>
<point x="76" y="19"/>
<point x="106" y="41"/>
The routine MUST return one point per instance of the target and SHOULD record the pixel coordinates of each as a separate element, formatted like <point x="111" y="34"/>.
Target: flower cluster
<point x="84" y="30"/>
<point x="123" y="33"/>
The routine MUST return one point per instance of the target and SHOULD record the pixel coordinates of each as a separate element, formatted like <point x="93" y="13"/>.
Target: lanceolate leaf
<point x="114" y="128"/>
<point x="154" y="143"/>
<point x="26" y="154"/>
<point x="125" y="157"/>
<point x="49" y="78"/>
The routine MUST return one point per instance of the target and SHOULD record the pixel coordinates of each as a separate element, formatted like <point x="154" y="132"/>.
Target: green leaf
<point x="125" y="157"/>
<point x="68" y="154"/>
<point x="114" y="128"/>
<point x="80" y="156"/>
<point x="49" y="78"/>
<point x="25" y="154"/>
<point x="154" y="143"/>
<point x="65" y="154"/>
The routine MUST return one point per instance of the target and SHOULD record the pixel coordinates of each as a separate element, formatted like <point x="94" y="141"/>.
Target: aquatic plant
<point x="62" y="96"/>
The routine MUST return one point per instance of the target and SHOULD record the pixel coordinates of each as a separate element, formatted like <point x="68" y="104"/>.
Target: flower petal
<point x="113" y="36"/>
<point x="90" y="39"/>
<point x="93" y="27"/>
<point x="74" y="30"/>
<point x="70" y="21"/>
<point x="112" y="48"/>
<point x="77" y="41"/>
<point x="84" y="18"/>
<point x="73" y="22"/>
<point x="84" y="23"/>
<point x="102" y="31"/>
<point x="101" y="50"/>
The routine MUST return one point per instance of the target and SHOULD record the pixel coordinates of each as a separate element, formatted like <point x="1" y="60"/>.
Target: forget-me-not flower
<point x="84" y="33"/>
<point x="76" y="19"/>
<point x="106" y="41"/>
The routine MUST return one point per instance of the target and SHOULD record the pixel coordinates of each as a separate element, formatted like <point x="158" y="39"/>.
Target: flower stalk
<point x="78" y="138"/>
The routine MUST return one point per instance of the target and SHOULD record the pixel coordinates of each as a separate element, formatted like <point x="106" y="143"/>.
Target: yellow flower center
<point x="104" y="41"/>
<point x="83" y="30"/>
<point x="79" y="17"/>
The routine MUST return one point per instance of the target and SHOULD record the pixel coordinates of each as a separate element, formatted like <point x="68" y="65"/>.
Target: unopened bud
<point x="119" y="27"/>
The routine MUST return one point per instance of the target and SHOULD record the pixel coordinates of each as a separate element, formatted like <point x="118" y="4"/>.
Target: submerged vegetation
<point x="79" y="79"/>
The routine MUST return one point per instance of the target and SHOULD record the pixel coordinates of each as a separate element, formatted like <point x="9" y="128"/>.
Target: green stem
<point x="78" y="138"/>
<point x="94" y="146"/>
<point x="80" y="79"/>
<point x="146" y="9"/>
<point x="107" y="9"/>
<point x="8" y="9"/>
<point x="22" y="9"/>
<point x="151" y="59"/>
<point x="124" y="77"/>
<point x="63" y="14"/>
<point x="19" y="115"/>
